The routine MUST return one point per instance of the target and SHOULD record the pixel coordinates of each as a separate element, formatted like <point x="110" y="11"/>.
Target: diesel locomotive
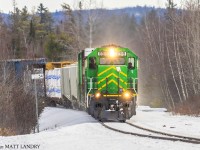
<point x="108" y="82"/>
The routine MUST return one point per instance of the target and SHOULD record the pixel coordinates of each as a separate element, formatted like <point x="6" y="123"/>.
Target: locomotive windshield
<point x="113" y="61"/>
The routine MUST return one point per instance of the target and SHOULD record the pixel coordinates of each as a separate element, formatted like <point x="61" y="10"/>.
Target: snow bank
<point x="159" y="119"/>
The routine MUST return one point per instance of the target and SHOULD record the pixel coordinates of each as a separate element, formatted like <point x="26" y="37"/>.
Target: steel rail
<point x="151" y="136"/>
<point x="163" y="133"/>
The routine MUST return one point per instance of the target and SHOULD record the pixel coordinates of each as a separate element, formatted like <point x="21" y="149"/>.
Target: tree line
<point x="170" y="57"/>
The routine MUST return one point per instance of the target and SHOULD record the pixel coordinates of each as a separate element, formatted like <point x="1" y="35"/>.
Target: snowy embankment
<point x="63" y="129"/>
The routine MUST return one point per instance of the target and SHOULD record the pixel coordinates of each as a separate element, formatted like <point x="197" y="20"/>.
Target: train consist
<point x="104" y="82"/>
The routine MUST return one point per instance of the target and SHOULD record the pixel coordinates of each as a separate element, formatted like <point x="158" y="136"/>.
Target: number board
<point x="106" y="53"/>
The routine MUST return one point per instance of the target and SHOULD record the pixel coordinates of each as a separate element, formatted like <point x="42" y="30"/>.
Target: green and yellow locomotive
<point x="108" y="82"/>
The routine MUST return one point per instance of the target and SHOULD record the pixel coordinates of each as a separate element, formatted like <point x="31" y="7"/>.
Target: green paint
<point x="101" y="72"/>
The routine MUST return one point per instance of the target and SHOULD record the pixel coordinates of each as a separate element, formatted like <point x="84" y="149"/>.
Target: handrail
<point x="87" y="102"/>
<point x="134" y="84"/>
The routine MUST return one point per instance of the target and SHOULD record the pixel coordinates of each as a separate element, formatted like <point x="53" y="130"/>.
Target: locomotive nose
<point x="112" y="79"/>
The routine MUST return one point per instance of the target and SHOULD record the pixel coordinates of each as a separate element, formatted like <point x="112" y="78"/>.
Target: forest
<point x="167" y="42"/>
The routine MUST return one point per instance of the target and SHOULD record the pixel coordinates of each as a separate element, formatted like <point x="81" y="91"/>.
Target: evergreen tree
<point x="42" y="12"/>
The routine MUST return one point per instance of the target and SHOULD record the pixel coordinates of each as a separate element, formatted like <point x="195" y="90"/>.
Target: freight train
<point x="104" y="82"/>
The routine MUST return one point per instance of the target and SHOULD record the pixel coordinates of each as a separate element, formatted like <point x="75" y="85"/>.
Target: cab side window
<point x="92" y="63"/>
<point x="131" y="63"/>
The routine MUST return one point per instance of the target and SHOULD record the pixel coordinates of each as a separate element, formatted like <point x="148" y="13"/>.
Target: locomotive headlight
<point x="127" y="95"/>
<point x="97" y="95"/>
<point x="112" y="52"/>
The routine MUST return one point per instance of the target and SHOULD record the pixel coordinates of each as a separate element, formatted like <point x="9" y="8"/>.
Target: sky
<point x="53" y="5"/>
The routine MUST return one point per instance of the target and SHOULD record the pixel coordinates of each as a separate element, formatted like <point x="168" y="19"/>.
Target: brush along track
<point x="168" y="137"/>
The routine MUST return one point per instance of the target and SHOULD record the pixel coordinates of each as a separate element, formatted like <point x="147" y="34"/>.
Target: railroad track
<point x="165" y="136"/>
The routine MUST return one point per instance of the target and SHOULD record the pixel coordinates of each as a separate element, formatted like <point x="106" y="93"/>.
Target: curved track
<point x="167" y="136"/>
<point x="164" y="133"/>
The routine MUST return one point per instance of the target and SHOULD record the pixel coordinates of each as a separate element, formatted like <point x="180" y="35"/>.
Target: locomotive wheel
<point x="91" y="108"/>
<point x="97" y="112"/>
<point x="127" y="113"/>
<point x="133" y="108"/>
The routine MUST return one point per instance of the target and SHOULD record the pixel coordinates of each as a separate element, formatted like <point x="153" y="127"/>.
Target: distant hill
<point x="5" y="17"/>
<point x="137" y="11"/>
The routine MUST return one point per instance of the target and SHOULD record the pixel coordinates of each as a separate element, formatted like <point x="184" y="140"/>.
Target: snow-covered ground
<point x="63" y="129"/>
<point x="160" y="120"/>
